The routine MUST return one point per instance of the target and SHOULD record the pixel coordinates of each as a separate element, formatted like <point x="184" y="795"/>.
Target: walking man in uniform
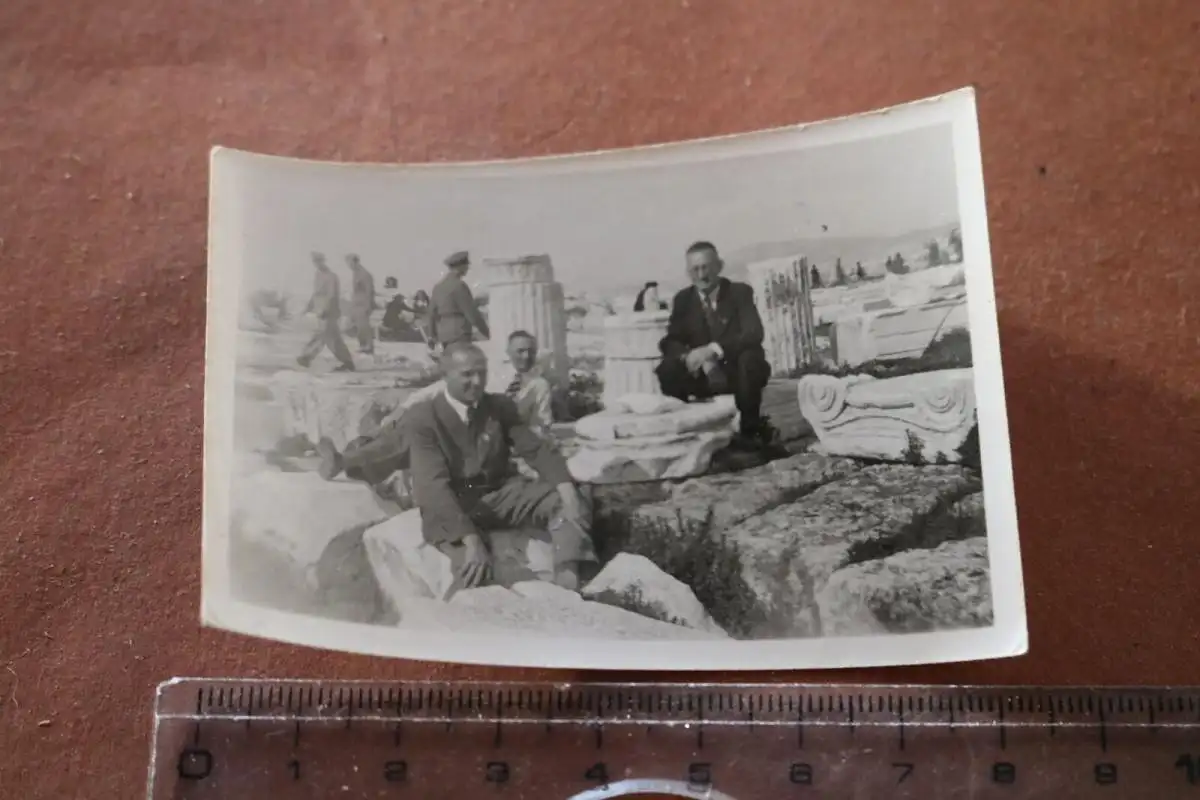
<point x="362" y="304"/>
<point x="452" y="311"/>
<point x="326" y="305"/>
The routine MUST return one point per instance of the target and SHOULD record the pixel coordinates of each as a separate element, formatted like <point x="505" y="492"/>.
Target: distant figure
<point x="859" y="272"/>
<point x="420" y="309"/>
<point x="390" y="282"/>
<point x="648" y="298"/>
<point x="326" y="305"/>
<point x="814" y="277"/>
<point x="453" y="315"/>
<point x="392" y="326"/>
<point x="714" y="344"/>
<point x="362" y="304"/>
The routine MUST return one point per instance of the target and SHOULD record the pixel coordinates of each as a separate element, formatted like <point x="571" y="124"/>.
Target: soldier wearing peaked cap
<point x="453" y="315"/>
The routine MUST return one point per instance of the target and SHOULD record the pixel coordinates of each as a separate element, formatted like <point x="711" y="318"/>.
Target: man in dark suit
<point x="714" y="343"/>
<point x="457" y="446"/>
<point x="453" y="314"/>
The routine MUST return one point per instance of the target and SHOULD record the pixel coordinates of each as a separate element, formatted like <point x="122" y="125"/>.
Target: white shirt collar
<point x="458" y="407"/>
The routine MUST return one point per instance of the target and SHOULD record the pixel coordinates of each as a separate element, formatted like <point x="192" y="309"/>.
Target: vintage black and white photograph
<point x="740" y="397"/>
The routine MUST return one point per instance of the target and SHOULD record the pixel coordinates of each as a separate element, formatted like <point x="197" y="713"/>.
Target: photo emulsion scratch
<point x="740" y="397"/>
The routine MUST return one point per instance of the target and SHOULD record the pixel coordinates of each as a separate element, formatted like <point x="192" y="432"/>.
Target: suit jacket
<point x="451" y="466"/>
<point x="737" y="326"/>
<point x="452" y="311"/>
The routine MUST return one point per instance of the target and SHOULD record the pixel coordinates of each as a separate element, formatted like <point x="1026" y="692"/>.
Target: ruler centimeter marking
<point x="293" y="739"/>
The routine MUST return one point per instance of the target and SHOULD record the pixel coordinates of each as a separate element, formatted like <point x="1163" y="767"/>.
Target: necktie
<point x="472" y="416"/>
<point x="514" y="387"/>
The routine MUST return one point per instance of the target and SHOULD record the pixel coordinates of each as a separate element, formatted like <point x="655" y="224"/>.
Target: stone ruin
<point x="523" y="295"/>
<point x="925" y="417"/>
<point x="783" y="296"/>
<point x="631" y="353"/>
<point x="818" y="543"/>
<point x="651" y="438"/>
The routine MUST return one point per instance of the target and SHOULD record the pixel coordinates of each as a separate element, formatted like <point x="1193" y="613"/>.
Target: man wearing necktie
<point x="458" y="447"/>
<point x="521" y="381"/>
<point x="714" y="344"/>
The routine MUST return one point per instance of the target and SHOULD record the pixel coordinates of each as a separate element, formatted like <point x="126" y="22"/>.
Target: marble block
<point x="632" y="461"/>
<point x="341" y="406"/>
<point x="895" y="333"/>
<point x="692" y="417"/>
<point x="631" y="353"/>
<point x="622" y="446"/>
<point x="296" y="515"/>
<point x="868" y="417"/>
<point x="407" y="567"/>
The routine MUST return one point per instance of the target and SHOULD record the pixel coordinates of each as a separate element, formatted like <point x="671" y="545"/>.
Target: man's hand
<point x="477" y="562"/>
<point x="696" y="359"/>
<point x="574" y="507"/>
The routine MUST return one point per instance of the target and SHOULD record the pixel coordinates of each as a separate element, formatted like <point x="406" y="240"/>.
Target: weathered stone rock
<point x="407" y="567"/>
<point x="909" y="592"/>
<point x="733" y="497"/>
<point x="297" y="514"/>
<point x="404" y="565"/>
<point x="712" y="415"/>
<point x="925" y="416"/>
<point x="340" y="406"/>
<point x="540" y="610"/>
<point x="788" y="553"/>
<point x="635" y="584"/>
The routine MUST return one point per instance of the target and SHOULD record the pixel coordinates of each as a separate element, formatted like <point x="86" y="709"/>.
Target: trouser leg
<point x="315" y="343"/>
<point x="336" y="344"/>
<point x="549" y="547"/>
<point x="750" y="374"/>
<point x="374" y="460"/>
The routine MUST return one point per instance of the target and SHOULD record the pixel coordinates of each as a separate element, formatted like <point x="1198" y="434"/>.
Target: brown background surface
<point x="1091" y="147"/>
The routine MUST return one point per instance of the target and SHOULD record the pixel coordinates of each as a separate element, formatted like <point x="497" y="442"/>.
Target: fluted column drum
<point x="523" y="295"/>
<point x="631" y="353"/>
<point x="783" y="296"/>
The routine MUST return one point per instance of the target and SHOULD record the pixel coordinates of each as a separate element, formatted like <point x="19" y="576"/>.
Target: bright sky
<point x="604" y="230"/>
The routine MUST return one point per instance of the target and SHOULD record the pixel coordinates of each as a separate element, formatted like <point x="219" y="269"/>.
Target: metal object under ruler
<point x="285" y="740"/>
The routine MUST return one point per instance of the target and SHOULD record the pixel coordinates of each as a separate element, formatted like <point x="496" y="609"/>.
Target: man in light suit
<point x="714" y="344"/>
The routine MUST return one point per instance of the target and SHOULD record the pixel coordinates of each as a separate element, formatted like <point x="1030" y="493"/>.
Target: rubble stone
<point x="909" y="592"/>
<point x="538" y="610"/>
<point x="634" y="583"/>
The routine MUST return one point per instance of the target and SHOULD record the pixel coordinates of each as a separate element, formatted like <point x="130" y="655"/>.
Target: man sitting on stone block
<point x="374" y="459"/>
<point x="457" y="446"/>
<point x="714" y="344"/>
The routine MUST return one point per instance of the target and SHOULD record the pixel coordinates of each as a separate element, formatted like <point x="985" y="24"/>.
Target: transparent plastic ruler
<point x="255" y="739"/>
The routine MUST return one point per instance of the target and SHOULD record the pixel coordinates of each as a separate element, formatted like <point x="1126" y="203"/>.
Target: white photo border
<point x="1006" y="637"/>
